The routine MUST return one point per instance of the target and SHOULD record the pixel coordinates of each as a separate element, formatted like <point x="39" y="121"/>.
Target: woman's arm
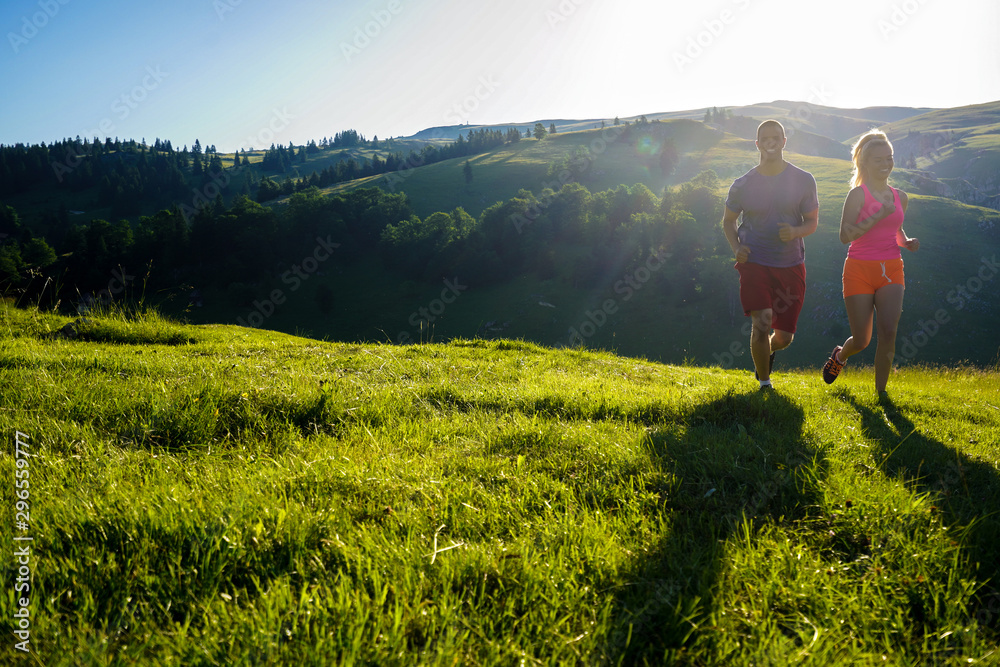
<point x="851" y="228"/>
<point x="902" y="240"/>
<point x="852" y="207"/>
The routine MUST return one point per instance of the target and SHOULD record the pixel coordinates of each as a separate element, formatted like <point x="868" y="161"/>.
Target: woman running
<point x="872" y="222"/>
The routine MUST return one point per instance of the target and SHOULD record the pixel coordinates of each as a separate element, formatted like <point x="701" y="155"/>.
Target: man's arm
<point x="810" y="221"/>
<point x="729" y="219"/>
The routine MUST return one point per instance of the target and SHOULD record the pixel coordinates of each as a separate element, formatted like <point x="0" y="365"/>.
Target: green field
<point x="959" y="245"/>
<point x="221" y="495"/>
<point x="961" y="144"/>
<point x="951" y="310"/>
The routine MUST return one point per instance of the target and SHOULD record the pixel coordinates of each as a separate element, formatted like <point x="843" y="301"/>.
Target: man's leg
<point x="789" y="293"/>
<point x="781" y="339"/>
<point x="760" y="342"/>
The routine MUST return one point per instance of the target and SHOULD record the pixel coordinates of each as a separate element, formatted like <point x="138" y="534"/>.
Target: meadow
<point x="211" y="494"/>
<point x="674" y="317"/>
<point x="959" y="243"/>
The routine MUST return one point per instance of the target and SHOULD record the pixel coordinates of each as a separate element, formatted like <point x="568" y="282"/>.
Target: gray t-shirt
<point x="765" y="201"/>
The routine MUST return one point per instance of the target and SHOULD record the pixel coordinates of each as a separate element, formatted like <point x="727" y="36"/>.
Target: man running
<point x="779" y="207"/>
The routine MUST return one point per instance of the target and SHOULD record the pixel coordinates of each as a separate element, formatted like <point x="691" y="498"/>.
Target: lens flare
<point x="647" y="145"/>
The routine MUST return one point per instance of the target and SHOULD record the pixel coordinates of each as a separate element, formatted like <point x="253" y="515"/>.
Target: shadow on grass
<point x="741" y="461"/>
<point x="965" y="489"/>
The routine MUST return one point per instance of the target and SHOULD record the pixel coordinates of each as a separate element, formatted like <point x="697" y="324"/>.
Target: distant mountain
<point x="958" y="149"/>
<point x="834" y="123"/>
<point x="452" y="132"/>
<point x="953" y="153"/>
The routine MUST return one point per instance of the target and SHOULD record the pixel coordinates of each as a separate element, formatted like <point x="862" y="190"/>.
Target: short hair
<point x="770" y="123"/>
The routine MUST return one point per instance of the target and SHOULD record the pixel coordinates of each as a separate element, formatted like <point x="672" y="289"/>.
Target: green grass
<point x="217" y="495"/>
<point x="499" y="174"/>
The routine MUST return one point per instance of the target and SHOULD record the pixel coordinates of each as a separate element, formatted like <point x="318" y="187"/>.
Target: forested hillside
<point x="605" y="237"/>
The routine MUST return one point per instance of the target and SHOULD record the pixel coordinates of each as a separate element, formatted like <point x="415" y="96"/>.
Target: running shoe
<point x="833" y="367"/>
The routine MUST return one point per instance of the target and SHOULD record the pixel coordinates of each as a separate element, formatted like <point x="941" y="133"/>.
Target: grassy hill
<point x="960" y="243"/>
<point x="951" y="312"/>
<point x="960" y="147"/>
<point x="219" y="495"/>
<point x="533" y="165"/>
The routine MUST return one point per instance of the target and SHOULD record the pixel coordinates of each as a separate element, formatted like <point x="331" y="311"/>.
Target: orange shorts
<point x="863" y="276"/>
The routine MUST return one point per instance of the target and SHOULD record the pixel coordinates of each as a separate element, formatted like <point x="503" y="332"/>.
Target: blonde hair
<point x="867" y="140"/>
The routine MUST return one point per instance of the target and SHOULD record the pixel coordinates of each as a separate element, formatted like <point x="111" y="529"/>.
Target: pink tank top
<point x="879" y="242"/>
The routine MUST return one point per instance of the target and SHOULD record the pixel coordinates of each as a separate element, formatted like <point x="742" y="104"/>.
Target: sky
<point x="241" y="74"/>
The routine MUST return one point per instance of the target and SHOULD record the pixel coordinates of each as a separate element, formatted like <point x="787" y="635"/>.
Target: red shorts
<point x="867" y="276"/>
<point x="779" y="289"/>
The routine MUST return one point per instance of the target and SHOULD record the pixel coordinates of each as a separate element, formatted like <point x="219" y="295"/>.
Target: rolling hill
<point x="951" y="310"/>
<point x="555" y="471"/>
<point x="223" y="495"/>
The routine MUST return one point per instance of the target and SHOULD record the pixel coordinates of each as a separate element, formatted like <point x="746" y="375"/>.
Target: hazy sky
<point x="241" y="73"/>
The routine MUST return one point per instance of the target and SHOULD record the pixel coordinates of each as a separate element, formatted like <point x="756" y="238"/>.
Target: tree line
<point x="572" y="233"/>
<point x="195" y="238"/>
<point x="617" y="229"/>
<point x="281" y="158"/>
<point x="131" y="177"/>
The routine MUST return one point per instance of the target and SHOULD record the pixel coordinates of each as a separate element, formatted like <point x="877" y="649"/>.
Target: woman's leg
<point x="888" y="308"/>
<point x="860" y="312"/>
